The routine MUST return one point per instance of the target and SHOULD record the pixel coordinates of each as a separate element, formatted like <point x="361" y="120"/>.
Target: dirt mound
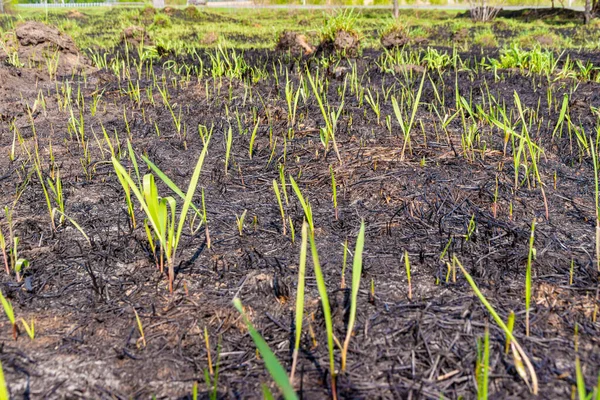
<point x="409" y="69"/>
<point x="210" y="38"/>
<point x="394" y="39"/>
<point x="17" y="84"/>
<point x="74" y="14"/>
<point x="346" y="41"/>
<point x="43" y="45"/>
<point x="460" y="35"/>
<point x="34" y="33"/>
<point x="135" y="35"/>
<point x="294" y="42"/>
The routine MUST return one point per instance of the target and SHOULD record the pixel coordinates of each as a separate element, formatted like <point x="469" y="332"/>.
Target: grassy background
<point x="181" y="28"/>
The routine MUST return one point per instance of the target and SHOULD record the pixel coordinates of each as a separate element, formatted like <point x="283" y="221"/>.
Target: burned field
<point x="473" y="173"/>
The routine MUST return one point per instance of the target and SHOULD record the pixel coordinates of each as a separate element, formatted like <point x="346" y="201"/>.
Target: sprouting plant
<point x="522" y="363"/>
<point x="283" y="183"/>
<point x="195" y="391"/>
<point x="253" y="138"/>
<point x="12" y="54"/>
<point x="56" y="190"/>
<point x="20" y="263"/>
<point x="205" y="220"/>
<point x="280" y="203"/>
<point x="530" y="258"/>
<point x="322" y="288"/>
<point x="334" y="192"/>
<point x="330" y="116"/>
<point x="291" y="96"/>
<point x="471" y="228"/>
<point x="140" y="327"/>
<point x="374" y="103"/>
<point x="228" y="148"/>
<point x="596" y="198"/>
<point x="356" y="273"/>
<point x="510" y="324"/>
<point x="29" y="328"/>
<point x="300" y="298"/>
<point x="3" y="250"/>
<point x="208" y="356"/>
<point x="159" y="209"/>
<point x="344" y="263"/>
<point x="38" y="169"/>
<point x="271" y="362"/>
<point x="305" y="205"/>
<point x="407" y="124"/>
<point x="292" y="230"/>
<point x="10" y="314"/>
<point x="571" y="271"/>
<point x="482" y="369"/>
<point x="3" y="388"/>
<point x="211" y="376"/>
<point x="407" y="266"/>
<point x="240" y="222"/>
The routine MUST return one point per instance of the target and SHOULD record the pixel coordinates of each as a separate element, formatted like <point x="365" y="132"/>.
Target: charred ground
<point x="82" y="295"/>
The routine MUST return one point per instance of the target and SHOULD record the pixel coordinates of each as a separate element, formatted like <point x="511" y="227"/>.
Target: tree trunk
<point x="1" y="6"/>
<point x="595" y="9"/>
<point x="158" y="3"/>
<point x="396" y="9"/>
<point x="587" y="13"/>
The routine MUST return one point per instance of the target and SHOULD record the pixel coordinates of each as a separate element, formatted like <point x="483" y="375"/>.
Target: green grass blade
<point x="356" y="274"/>
<point x="271" y="362"/>
<point x="581" y="391"/>
<point x="8" y="308"/>
<point x="167" y="181"/>
<point x="300" y="296"/>
<point x="324" y="301"/>
<point x="3" y="388"/>
<point x="191" y="190"/>
<point x="528" y="275"/>
<point x="125" y="178"/>
<point x="520" y="352"/>
<point x="305" y="205"/>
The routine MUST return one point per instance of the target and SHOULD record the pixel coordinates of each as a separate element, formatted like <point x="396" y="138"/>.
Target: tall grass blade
<point x="273" y="366"/>
<point x="356" y="273"/>
<point x="528" y="372"/>
<point x="300" y="297"/>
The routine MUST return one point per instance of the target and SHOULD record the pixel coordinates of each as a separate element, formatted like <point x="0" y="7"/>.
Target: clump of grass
<point x="160" y="212"/>
<point x="161" y="21"/>
<point x="485" y="39"/>
<point x="345" y="20"/>
<point x="240" y="222"/>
